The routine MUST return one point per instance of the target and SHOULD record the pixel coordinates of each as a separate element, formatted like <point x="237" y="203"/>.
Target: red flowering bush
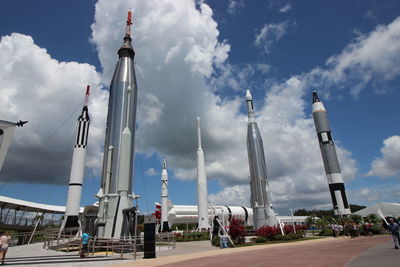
<point x="287" y="229"/>
<point x="268" y="231"/>
<point x="236" y="230"/>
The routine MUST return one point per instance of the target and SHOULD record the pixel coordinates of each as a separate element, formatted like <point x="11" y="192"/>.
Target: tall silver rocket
<point x="115" y="195"/>
<point x="329" y="157"/>
<point x="202" y="194"/>
<point x="164" y="198"/>
<point x="261" y="202"/>
<point x="71" y="217"/>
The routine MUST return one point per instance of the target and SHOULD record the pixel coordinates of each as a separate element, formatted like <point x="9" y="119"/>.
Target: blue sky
<point x="197" y="59"/>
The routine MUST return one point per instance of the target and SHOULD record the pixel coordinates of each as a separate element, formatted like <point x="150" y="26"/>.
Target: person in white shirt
<point x="4" y="241"/>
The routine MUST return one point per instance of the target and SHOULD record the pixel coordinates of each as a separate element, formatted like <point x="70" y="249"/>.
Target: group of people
<point x="351" y="229"/>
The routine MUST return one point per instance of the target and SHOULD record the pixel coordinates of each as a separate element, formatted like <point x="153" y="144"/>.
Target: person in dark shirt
<point x="394" y="228"/>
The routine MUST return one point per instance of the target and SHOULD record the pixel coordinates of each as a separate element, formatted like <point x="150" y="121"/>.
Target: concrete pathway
<point x="321" y="252"/>
<point x="380" y="255"/>
<point x="36" y="256"/>
<point x="362" y="251"/>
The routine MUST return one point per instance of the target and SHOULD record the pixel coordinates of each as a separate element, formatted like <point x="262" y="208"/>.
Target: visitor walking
<point x="394" y="228"/>
<point x="4" y="241"/>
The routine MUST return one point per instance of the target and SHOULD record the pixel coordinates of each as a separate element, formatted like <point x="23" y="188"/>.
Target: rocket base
<point x="165" y="227"/>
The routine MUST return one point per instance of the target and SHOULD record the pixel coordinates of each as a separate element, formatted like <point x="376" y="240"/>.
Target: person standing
<point x="394" y="228"/>
<point x="4" y="241"/>
<point x="85" y="242"/>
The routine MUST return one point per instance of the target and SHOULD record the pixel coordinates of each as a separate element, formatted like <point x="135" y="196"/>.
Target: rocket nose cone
<point x="315" y="97"/>
<point x="248" y="95"/>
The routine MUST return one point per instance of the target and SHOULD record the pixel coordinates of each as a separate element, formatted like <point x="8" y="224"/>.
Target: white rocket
<point x="6" y="133"/>
<point x="116" y="212"/>
<point x="261" y="201"/>
<point x="71" y="217"/>
<point x="164" y="198"/>
<point x="202" y="194"/>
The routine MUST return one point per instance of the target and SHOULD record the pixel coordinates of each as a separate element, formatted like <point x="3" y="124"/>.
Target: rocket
<point x="6" y="133"/>
<point x="202" y="194"/>
<point x="263" y="212"/>
<point x="329" y="157"/>
<point x="115" y="195"/>
<point x="164" y="198"/>
<point x="71" y="217"/>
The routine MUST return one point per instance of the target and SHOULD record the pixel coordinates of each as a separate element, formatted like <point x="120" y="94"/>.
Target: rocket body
<point x="261" y="202"/>
<point x="116" y="194"/>
<point x="164" y="199"/>
<point x="329" y="157"/>
<point x="71" y="217"/>
<point x="202" y="192"/>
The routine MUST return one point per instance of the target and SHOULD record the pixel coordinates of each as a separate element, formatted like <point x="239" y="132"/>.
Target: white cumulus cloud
<point x="389" y="163"/>
<point x="49" y="94"/>
<point x="271" y="33"/>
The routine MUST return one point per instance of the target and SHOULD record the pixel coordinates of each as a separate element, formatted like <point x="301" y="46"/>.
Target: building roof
<point x="388" y="209"/>
<point x="22" y="205"/>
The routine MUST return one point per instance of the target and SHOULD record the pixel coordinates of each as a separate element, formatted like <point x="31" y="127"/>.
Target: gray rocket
<point x="261" y="202"/>
<point x="71" y="218"/>
<point x="115" y="195"/>
<point x="329" y="157"/>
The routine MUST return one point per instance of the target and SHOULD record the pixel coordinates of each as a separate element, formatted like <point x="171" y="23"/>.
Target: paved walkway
<point x="363" y="251"/>
<point x="36" y="256"/>
<point x="322" y="252"/>
<point x="380" y="255"/>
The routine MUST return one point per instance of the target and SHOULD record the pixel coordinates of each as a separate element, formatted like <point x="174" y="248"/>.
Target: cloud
<point x="389" y="163"/>
<point x="151" y="172"/>
<point x="285" y="8"/>
<point x="49" y="94"/>
<point x="234" y="6"/>
<point x="370" y="60"/>
<point x="271" y="33"/>
<point x="183" y="86"/>
<point x="178" y="56"/>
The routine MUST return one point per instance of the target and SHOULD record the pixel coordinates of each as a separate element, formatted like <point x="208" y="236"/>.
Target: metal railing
<point x="165" y="240"/>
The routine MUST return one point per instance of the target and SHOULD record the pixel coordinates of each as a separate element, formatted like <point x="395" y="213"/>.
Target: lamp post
<point x="294" y="228"/>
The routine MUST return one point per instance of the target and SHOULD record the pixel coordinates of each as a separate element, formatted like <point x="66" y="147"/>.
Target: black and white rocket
<point x="261" y="201"/>
<point x="202" y="191"/>
<point x="6" y="133"/>
<point x="71" y="217"/>
<point x="115" y="195"/>
<point x="164" y="198"/>
<point x="329" y="157"/>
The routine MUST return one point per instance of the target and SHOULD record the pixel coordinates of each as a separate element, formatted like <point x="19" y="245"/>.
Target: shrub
<point x="260" y="239"/>
<point x="237" y="231"/>
<point x="282" y="237"/>
<point x="325" y="232"/>
<point x="268" y="232"/>
<point x="215" y="241"/>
